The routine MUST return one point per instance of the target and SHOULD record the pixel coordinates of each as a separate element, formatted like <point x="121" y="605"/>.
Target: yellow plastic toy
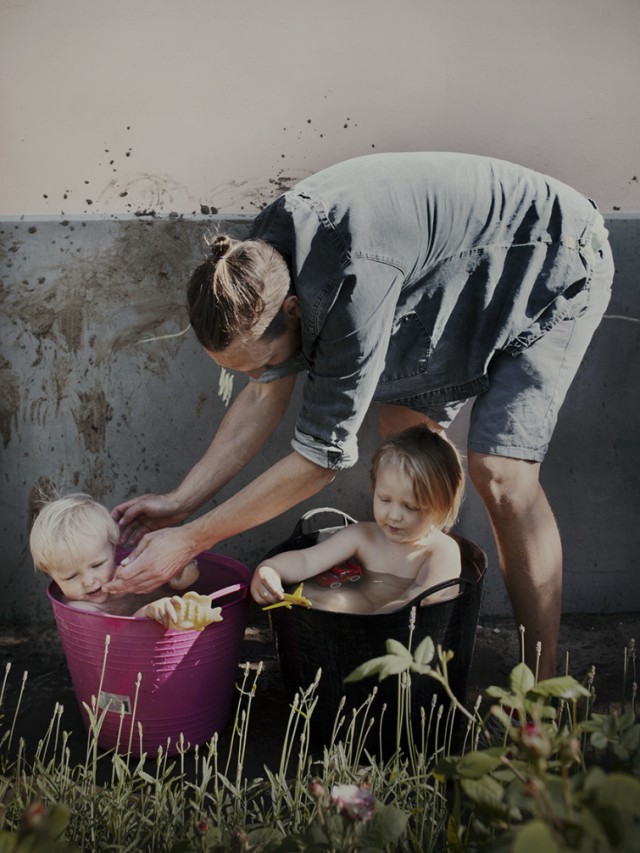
<point x="196" y="612"/>
<point x="290" y="599"/>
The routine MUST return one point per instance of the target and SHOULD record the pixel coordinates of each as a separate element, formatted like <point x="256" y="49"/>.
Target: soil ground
<point x="586" y="640"/>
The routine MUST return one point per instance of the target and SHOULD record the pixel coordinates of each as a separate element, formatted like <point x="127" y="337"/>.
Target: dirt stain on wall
<point x="9" y="400"/>
<point x="91" y="416"/>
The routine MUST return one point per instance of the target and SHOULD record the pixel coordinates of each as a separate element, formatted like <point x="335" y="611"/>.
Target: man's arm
<point x="245" y="428"/>
<point x="162" y="553"/>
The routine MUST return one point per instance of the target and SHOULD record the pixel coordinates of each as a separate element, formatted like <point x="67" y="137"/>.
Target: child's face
<point x="395" y="509"/>
<point x="83" y="580"/>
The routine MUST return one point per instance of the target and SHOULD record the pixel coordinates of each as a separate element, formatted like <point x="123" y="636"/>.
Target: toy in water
<point x="186" y="577"/>
<point x="195" y="612"/>
<point x="347" y="572"/>
<point x="290" y="599"/>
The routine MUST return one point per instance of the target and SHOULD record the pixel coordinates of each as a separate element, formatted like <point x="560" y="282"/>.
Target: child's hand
<point x="266" y="586"/>
<point x="164" y="610"/>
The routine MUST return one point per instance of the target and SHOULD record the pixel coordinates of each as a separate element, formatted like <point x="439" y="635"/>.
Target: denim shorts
<point x="517" y="415"/>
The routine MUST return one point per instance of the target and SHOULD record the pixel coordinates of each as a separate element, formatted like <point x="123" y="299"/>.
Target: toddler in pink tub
<point x="73" y="541"/>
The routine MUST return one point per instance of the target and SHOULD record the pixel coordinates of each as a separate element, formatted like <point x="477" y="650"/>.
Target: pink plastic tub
<point x="187" y="677"/>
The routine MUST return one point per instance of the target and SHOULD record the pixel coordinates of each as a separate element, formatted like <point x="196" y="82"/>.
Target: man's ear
<point x="291" y="306"/>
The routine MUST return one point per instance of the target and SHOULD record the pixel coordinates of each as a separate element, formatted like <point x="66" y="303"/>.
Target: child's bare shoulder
<point x="358" y="532"/>
<point x="449" y="547"/>
<point x="445" y="558"/>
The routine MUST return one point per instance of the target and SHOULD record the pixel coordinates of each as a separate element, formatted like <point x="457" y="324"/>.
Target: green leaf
<point x="486" y="794"/>
<point x="521" y="679"/>
<point x="422" y="669"/>
<point x="593" y="780"/>
<point x="146" y="777"/>
<point x="535" y="837"/>
<point x="563" y="687"/>
<point x="264" y="835"/>
<point x="453" y="839"/>
<point x="473" y="765"/>
<point x="425" y="652"/>
<point x="393" y="665"/>
<point x="446" y="768"/>
<point x="386" y="826"/>
<point x="394" y="647"/>
<point x="367" y="669"/>
<point x="497" y="692"/>
<point x="631" y="739"/>
<point x="316" y="837"/>
<point x="627" y="719"/>
<point x="620" y="791"/>
<point x="598" y="740"/>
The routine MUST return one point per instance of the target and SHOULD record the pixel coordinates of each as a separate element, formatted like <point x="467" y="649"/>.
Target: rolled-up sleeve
<point x="348" y="357"/>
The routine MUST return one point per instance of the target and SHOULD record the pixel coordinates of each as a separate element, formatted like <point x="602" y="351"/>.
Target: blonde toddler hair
<point x="59" y="532"/>
<point x="433" y="465"/>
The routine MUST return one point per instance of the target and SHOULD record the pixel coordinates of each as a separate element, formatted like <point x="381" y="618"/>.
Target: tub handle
<point x="228" y="590"/>
<point x="344" y="520"/>
<point x="460" y="581"/>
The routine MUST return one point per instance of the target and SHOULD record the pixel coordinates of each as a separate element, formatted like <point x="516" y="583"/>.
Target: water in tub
<point x="374" y="592"/>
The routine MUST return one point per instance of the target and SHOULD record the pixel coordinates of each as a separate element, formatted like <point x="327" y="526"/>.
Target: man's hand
<point x="158" y="557"/>
<point x="140" y="515"/>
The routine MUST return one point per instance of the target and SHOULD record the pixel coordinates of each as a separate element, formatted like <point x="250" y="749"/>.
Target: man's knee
<point x="501" y="481"/>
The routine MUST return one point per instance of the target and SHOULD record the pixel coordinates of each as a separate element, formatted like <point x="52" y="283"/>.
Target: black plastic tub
<point x="336" y="643"/>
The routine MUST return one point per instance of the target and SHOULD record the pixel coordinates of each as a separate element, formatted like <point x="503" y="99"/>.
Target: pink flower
<point x="316" y="789"/>
<point x="34" y="814"/>
<point x="358" y="803"/>
<point x="534" y="738"/>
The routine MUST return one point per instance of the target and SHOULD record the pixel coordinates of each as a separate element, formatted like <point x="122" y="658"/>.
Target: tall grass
<point x="162" y="802"/>
<point x="112" y="801"/>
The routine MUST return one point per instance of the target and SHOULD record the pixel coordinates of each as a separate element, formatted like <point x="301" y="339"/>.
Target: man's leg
<point x="511" y="426"/>
<point x="529" y="549"/>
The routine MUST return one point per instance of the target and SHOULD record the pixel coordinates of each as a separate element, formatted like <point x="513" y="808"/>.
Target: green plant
<point x="532" y="792"/>
<point x="40" y="829"/>
<point x="524" y="779"/>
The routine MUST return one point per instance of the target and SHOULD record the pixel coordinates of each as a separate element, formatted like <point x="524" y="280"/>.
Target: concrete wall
<point x="88" y="405"/>
<point x="129" y="129"/>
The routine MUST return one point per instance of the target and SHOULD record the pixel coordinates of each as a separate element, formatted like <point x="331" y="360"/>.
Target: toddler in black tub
<point x="418" y="483"/>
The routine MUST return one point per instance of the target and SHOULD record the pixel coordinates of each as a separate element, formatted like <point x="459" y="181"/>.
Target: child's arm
<point x="164" y="610"/>
<point x="293" y="566"/>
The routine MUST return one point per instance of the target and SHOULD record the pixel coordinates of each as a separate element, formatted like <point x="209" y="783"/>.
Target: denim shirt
<point x="412" y="270"/>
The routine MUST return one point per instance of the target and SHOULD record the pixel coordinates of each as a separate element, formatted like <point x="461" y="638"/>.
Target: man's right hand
<point x="158" y="557"/>
<point x="144" y="513"/>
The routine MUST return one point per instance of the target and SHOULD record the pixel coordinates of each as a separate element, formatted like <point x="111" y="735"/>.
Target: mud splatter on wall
<point x="88" y="402"/>
<point x="87" y="295"/>
<point x="91" y="415"/>
<point x="9" y="400"/>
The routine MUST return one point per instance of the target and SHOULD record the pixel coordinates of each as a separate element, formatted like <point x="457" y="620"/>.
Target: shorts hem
<point x="510" y="451"/>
